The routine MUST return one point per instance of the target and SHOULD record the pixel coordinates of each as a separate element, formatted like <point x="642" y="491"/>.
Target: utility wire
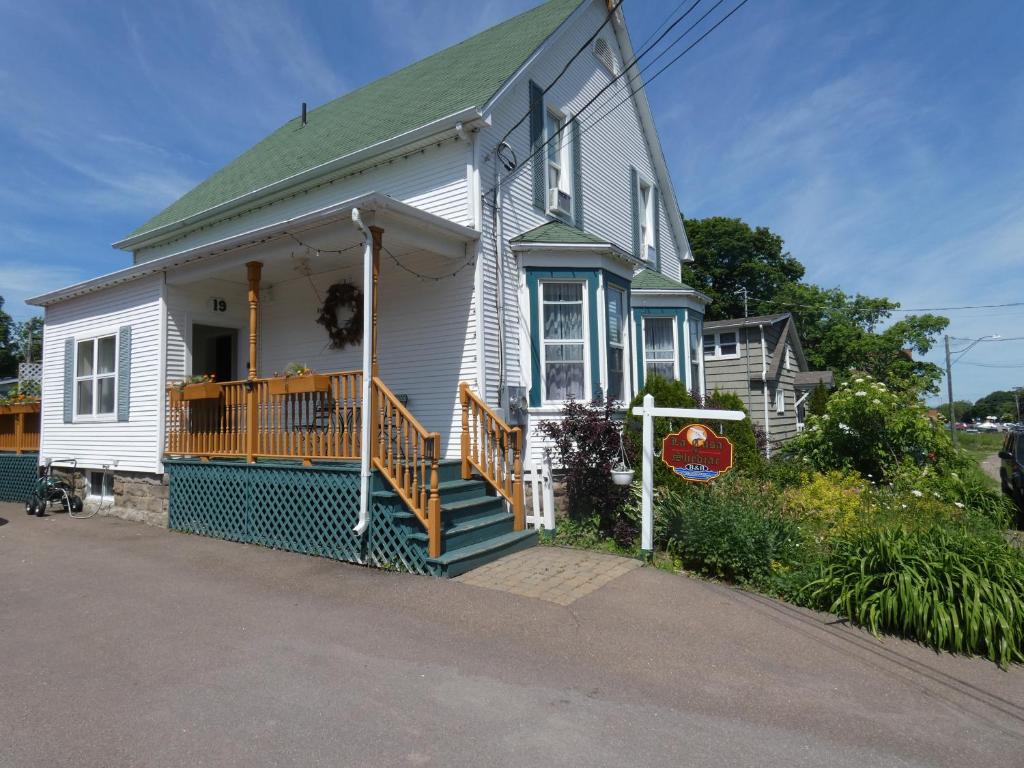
<point x="582" y="48"/>
<point x="632" y="92"/>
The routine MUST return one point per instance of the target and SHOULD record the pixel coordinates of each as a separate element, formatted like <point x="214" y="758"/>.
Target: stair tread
<point x="476" y="501"/>
<point x="449" y="485"/>
<point x="482" y="547"/>
<point x="464" y="526"/>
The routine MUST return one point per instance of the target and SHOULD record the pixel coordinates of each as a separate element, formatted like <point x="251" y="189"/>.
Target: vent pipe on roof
<point x="303" y="113"/>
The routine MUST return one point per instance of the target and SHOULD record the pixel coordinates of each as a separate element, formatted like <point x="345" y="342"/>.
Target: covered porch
<point x="409" y="361"/>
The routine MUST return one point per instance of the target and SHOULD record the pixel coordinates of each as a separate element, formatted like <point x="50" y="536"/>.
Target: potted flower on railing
<point x="298" y="378"/>
<point x="195" y="388"/>
<point x="19" y="401"/>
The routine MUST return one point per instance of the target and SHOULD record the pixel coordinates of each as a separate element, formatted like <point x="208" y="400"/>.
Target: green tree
<point x="817" y="401"/>
<point x="28" y="337"/>
<point x="1000" y="404"/>
<point x="960" y="410"/>
<point x="730" y="255"/>
<point x="840" y="332"/>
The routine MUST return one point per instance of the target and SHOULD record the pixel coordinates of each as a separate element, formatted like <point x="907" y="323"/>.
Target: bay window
<point x="616" y="343"/>
<point x="564" y="333"/>
<point x="660" y="347"/>
<point x="96" y="376"/>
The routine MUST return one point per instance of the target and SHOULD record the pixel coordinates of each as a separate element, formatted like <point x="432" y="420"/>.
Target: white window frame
<point x="563" y="162"/>
<point x="587" y="393"/>
<point x="780" y="400"/>
<point x="622" y="345"/>
<point x="717" y="354"/>
<point x="93" y="416"/>
<point x="789" y="357"/>
<point x="645" y="215"/>
<point x="675" y="343"/>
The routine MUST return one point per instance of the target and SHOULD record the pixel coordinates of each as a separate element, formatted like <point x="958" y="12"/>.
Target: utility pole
<point x="744" y="291"/>
<point x="949" y="389"/>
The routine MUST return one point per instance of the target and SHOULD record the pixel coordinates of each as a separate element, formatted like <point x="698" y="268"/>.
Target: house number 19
<point x="219" y="305"/>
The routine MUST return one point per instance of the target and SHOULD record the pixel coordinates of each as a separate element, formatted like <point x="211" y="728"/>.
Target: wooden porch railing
<point x="247" y="420"/>
<point x="19" y="428"/>
<point x="494" y="449"/>
<point x="407" y="455"/>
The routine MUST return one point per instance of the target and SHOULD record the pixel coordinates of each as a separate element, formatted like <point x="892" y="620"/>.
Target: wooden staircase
<point x="477" y="526"/>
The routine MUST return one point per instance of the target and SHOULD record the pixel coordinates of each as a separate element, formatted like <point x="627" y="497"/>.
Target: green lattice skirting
<point x="18" y="474"/>
<point x="285" y="505"/>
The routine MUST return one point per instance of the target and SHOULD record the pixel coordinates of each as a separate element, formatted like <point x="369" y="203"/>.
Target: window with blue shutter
<point x="577" y="175"/>
<point x="124" y="371"/>
<point x="634" y="197"/>
<point x="69" y="380"/>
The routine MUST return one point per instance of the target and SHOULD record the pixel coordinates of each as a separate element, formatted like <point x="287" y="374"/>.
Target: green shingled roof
<point x="461" y="77"/>
<point x="557" y="232"/>
<point x="649" y="280"/>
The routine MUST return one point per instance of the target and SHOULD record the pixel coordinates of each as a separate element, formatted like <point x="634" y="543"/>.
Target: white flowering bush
<point x="871" y="430"/>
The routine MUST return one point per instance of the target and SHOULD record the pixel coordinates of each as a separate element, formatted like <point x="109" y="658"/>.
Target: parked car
<point x="1011" y="471"/>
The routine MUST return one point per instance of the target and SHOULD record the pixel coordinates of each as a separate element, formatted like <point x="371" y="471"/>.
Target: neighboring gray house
<point x="761" y="360"/>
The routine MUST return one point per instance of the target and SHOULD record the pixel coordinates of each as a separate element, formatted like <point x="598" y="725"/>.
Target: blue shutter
<point x="577" y="175"/>
<point x="655" y="213"/>
<point x="69" y="380"/>
<point x="124" y="371"/>
<point x="536" y="142"/>
<point x="635" y="202"/>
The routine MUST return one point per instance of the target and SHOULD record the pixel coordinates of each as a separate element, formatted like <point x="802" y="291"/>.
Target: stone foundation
<point x="138" y="496"/>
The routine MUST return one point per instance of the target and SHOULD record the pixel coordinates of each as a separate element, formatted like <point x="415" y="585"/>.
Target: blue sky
<point x="881" y="139"/>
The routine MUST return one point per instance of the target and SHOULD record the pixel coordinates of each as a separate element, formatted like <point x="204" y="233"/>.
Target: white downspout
<point x="764" y="381"/>
<point x="364" y="452"/>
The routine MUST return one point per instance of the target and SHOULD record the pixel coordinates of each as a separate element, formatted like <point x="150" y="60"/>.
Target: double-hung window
<point x="780" y="400"/>
<point x="616" y="343"/>
<point x="660" y="347"/>
<point x="96" y="376"/>
<point x="564" y="330"/>
<point x="695" y="341"/>
<point x="558" y="162"/>
<point x="721" y="345"/>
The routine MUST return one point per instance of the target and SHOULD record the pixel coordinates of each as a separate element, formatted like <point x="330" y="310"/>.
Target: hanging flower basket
<point x="207" y="390"/>
<point x="294" y="385"/>
<point x="622" y="475"/>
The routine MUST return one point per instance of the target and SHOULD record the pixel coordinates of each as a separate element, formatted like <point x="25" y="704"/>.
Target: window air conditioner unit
<point x="559" y="201"/>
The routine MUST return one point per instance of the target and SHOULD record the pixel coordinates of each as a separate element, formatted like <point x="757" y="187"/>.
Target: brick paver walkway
<point x="557" y="574"/>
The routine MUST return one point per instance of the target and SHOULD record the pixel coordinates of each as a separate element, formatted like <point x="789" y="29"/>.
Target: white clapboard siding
<point x="132" y="444"/>
<point x="426" y="335"/>
<point x="433" y="180"/>
<point x="609" y="150"/>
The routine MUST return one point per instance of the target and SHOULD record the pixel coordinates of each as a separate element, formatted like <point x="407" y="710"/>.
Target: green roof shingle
<point x="465" y="75"/>
<point x="557" y="232"/>
<point x="649" y="280"/>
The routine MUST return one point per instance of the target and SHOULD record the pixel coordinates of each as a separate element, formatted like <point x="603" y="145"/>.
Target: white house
<point x="486" y="249"/>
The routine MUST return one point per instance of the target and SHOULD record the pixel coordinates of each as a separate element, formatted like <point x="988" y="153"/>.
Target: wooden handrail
<point x="494" y="449"/>
<point x="19" y="428"/>
<point x="254" y="419"/>
<point x="408" y="456"/>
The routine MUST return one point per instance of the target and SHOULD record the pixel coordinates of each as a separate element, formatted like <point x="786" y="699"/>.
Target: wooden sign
<point x="697" y="454"/>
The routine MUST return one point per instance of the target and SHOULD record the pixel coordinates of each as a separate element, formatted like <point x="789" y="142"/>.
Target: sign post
<point x="648" y="411"/>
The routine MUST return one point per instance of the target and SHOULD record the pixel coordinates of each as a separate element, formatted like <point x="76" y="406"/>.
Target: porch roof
<point x="448" y="86"/>
<point x="386" y="209"/>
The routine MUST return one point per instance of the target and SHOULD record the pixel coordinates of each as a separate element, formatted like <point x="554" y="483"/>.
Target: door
<point x="214" y="352"/>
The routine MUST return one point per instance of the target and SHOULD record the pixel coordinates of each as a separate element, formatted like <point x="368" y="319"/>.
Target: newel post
<point x="434" y="513"/>
<point x="464" y="402"/>
<point x="518" y="504"/>
<point x="254" y="270"/>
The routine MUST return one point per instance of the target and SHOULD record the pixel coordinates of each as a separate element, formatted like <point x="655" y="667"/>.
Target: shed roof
<point x="461" y="77"/>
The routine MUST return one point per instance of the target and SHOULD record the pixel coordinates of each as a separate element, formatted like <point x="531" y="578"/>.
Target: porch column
<point x="254" y="269"/>
<point x="252" y="416"/>
<point x="378" y="235"/>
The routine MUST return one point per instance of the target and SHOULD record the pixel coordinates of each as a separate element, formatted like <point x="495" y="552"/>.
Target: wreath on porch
<point x="342" y="300"/>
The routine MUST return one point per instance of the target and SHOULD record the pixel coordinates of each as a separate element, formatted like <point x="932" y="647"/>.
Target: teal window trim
<point x="614" y="281"/>
<point x="590" y="277"/>
<point x="679" y="313"/>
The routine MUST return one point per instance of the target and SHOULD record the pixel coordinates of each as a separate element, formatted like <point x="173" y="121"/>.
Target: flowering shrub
<point x="830" y="498"/>
<point x="20" y="395"/>
<point x="871" y="430"/>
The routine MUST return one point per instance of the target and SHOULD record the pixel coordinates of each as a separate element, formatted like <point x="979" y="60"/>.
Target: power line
<point x="996" y="365"/>
<point x="632" y="92"/>
<point x="551" y="85"/>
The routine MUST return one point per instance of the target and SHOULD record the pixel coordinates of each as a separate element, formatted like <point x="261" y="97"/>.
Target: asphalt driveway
<point x="125" y="645"/>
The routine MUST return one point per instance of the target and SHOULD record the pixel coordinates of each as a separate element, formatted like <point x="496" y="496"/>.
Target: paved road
<point x="123" y="645"/>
